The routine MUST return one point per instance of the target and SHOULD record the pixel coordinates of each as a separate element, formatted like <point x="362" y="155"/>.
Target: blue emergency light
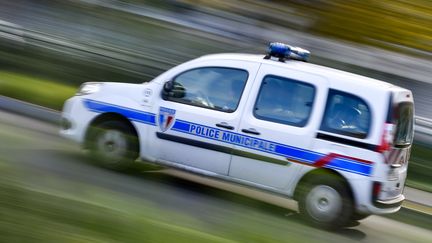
<point x="283" y="52"/>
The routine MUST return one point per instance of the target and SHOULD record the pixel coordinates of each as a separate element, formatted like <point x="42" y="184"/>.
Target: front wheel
<point x="113" y="144"/>
<point x="325" y="202"/>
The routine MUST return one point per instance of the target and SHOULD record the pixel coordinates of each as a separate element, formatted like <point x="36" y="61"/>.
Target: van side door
<point x="278" y="125"/>
<point x="205" y="104"/>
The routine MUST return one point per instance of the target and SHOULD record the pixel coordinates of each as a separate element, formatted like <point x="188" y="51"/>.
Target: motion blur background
<point x="72" y="41"/>
<point x="49" y="47"/>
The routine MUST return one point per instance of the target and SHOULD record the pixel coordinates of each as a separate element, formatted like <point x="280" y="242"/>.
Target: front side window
<point x="215" y="88"/>
<point x="346" y="114"/>
<point x="285" y="101"/>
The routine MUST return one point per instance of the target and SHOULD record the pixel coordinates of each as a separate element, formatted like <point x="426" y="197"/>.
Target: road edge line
<point x="30" y="110"/>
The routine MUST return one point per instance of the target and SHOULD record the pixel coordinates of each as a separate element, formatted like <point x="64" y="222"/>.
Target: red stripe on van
<point x="323" y="161"/>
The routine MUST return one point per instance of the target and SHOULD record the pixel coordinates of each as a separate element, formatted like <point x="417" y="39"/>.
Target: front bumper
<point x="75" y="119"/>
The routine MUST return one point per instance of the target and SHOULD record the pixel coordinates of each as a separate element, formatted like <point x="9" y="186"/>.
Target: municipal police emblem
<point x="166" y="118"/>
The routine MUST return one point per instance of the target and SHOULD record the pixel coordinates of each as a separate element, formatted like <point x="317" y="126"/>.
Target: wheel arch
<point x="108" y="116"/>
<point x="312" y="174"/>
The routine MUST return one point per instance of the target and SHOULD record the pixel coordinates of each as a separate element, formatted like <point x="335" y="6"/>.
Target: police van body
<point x="336" y="142"/>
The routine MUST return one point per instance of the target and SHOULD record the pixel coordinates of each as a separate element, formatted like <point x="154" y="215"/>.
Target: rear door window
<point x="404" y="120"/>
<point x="346" y="114"/>
<point x="285" y="101"/>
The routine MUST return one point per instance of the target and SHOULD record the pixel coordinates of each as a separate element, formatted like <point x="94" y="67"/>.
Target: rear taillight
<point x="376" y="189"/>
<point x="386" y="139"/>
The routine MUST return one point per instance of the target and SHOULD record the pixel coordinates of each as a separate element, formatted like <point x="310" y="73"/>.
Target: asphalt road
<point x="35" y="145"/>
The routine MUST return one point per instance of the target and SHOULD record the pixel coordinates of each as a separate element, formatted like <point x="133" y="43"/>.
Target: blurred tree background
<point x="391" y="24"/>
<point x="134" y="40"/>
<point x="386" y="23"/>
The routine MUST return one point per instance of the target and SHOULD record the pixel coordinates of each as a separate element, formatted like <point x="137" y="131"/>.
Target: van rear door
<point x="396" y="144"/>
<point x="401" y="119"/>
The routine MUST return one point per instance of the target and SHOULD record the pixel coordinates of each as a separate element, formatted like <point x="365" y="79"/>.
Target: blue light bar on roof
<point x="283" y="52"/>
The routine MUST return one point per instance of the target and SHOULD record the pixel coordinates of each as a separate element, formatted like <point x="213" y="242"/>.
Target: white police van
<point x="336" y="142"/>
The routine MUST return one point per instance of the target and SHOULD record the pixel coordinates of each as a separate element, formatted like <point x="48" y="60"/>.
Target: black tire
<point x="113" y="145"/>
<point x="359" y="216"/>
<point x="325" y="202"/>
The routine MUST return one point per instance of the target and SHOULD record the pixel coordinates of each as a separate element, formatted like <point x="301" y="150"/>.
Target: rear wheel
<point x="325" y="202"/>
<point x="113" y="144"/>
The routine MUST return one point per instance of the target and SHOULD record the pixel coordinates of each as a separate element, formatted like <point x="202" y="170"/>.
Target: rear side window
<point x="285" y="101"/>
<point x="404" y="120"/>
<point x="346" y="114"/>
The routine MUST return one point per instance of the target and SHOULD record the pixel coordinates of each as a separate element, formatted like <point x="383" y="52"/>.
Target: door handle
<point x="225" y="125"/>
<point x="251" y="131"/>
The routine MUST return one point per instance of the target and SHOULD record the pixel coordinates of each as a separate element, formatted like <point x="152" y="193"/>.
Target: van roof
<point x="336" y="77"/>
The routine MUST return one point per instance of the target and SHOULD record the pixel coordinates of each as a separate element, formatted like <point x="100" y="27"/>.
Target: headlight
<point x="89" y="88"/>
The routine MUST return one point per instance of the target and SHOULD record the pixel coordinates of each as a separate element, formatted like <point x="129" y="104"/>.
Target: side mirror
<point x="172" y="89"/>
<point x="167" y="89"/>
<point x="168" y="86"/>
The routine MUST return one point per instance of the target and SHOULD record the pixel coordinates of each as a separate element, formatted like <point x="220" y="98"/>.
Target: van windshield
<point x="404" y="120"/>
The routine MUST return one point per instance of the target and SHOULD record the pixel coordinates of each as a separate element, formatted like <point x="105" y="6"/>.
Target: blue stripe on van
<point x="135" y="115"/>
<point x="293" y="154"/>
<point x="289" y="152"/>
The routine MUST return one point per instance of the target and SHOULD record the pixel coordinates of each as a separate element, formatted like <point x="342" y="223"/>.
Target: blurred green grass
<point x="420" y="168"/>
<point x="29" y="213"/>
<point x="44" y="92"/>
<point x="32" y="215"/>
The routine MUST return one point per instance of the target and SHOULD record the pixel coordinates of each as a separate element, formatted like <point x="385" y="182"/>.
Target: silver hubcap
<point x="112" y="144"/>
<point x="323" y="203"/>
